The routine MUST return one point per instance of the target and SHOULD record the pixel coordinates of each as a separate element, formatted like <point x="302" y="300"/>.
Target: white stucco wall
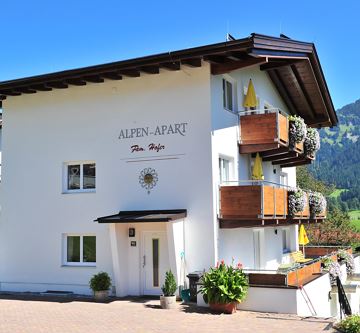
<point x="239" y="244"/>
<point x="46" y="129"/>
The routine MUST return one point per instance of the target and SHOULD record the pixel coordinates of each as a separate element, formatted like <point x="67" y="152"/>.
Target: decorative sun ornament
<point x="148" y="179"/>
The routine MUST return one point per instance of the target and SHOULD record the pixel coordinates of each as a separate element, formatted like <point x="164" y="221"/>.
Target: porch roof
<point x="137" y="216"/>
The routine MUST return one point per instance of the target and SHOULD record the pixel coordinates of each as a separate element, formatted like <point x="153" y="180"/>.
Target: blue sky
<point x="42" y="36"/>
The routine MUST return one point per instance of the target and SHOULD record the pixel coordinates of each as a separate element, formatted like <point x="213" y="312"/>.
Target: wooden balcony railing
<point x="261" y="131"/>
<point x="251" y="203"/>
<point x="294" y="277"/>
<point x="267" y="132"/>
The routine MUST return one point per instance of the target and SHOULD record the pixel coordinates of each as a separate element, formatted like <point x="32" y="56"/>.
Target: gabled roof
<point x="293" y="67"/>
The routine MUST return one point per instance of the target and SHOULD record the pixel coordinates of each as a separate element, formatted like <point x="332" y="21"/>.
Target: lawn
<point x="355" y="218"/>
<point x="337" y="193"/>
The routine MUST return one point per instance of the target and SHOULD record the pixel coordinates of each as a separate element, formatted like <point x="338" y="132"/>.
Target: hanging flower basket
<point x="348" y="259"/>
<point x="297" y="130"/>
<point x="333" y="268"/>
<point x="312" y="142"/>
<point x="296" y="201"/>
<point x="317" y="203"/>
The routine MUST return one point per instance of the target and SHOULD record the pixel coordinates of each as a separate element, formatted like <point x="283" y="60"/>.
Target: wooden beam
<point x="277" y="64"/>
<point x="172" y="66"/>
<point x="25" y="90"/>
<point x="231" y="224"/>
<point x="217" y="59"/>
<point x="41" y="87"/>
<point x="130" y="72"/>
<point x="217" y="69"/>
<point x="281" y="150"/>
<point x="194" y="62"/>
<point x="247" y="149"/>
<point x="150" y="69"/>
<point x="287" y="160"/>
<point x="57" y="85"/>
<point x="93" y="78"/>
<point x="302" y="91"/>
<point x="76" y="82"/>
<point x="238" y="55"/>
<point x="112" y="76"/>
<point x="288" y="165"/>
<point x="282" y="156"/>
<point x="281" y="87"/>
<point x="9" y="93"/>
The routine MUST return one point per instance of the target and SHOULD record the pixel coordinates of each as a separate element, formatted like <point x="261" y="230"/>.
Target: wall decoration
<point x="148" y="179"/>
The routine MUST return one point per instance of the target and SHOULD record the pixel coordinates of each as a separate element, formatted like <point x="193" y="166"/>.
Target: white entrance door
<point x="154" y="262"/>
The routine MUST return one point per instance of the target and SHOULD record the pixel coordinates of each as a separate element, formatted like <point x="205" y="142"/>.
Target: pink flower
<point x="239" y="265"/>
<point x="222" y="262"/>
<point x="217" y="264"/>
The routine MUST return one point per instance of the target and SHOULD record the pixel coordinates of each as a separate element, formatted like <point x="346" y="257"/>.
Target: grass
<point x="337" y="193"/>
<point x="355" y="218"/>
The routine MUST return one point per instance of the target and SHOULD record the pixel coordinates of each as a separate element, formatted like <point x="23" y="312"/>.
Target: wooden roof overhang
<point x="293" y="67"/>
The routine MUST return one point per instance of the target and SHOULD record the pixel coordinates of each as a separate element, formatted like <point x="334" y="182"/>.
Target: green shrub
<point x="350" y="324"/>
<point x="169" y="287"/>
<point x="100" y="281"/>
<point x="224" y="284"/>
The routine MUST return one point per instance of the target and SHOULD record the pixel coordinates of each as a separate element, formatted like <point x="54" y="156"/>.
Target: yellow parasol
<point x="250" y="98"/>
<point x="303" y="238"/>
<point x="257" y="173"/>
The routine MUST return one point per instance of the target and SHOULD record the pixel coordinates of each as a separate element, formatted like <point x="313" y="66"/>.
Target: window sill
<point x="79" y="265"/>
<point x="79" y="191"/>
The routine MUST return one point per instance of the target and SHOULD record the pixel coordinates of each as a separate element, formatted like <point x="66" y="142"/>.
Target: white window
<point x="80" y="177"/>
<point x="224" y="168"/>
<point x="79" y="250"/>
<point x="228" y="94"/>
<point x="284" y="178"/>
<point x="285" y="234"/>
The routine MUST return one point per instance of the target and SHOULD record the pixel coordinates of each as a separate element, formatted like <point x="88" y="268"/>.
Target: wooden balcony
<point x="267" y="132"/>
<point x="258" y="203"/>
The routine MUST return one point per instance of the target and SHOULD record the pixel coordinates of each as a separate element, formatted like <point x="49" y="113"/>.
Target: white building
<point x="158" y="133"/>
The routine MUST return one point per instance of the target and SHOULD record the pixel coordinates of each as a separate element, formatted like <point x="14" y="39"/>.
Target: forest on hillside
<point x="338" y="161"/>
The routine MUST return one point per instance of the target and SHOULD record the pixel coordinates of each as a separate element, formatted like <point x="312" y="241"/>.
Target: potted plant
<point x="312" y="142"/>
<point x="297" y="130"/>
<point x="100" y="284"/>
<point x="168" y="299"/>
<point x="296" y="201"/>
<point x="317" y="203"/>
<point x="223" y="287"/>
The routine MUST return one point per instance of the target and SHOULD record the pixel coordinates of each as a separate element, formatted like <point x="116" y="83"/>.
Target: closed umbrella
<point x="250" y="98"/>
<point x="303" y="238"/>
<point x="257" y="173"/>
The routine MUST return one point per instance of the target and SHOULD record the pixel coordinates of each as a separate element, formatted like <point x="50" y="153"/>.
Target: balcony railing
<point x="253" y="202"/>
<point x="267" y="132"/>
<point x="290" y="277"/>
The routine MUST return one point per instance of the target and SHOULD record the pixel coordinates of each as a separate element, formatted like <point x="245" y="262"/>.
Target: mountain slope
<point x="338" y="161"/>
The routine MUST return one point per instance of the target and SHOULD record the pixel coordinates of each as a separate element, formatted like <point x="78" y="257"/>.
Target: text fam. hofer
<point x="140" y="132"/>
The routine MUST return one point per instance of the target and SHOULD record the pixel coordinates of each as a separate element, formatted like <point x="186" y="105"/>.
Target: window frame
<point x="228" y="163"/>
<point x="81" y="263"/>
<point x="66" y="189"/>
<point x="232" y="82"/>
<point x="286" y="248"/>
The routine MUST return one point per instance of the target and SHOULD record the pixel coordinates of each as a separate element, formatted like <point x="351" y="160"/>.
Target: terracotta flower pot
<point x="228" y="308"/>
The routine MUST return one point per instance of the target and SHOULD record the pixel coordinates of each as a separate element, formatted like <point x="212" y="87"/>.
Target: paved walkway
<point x="29" y="314"/>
